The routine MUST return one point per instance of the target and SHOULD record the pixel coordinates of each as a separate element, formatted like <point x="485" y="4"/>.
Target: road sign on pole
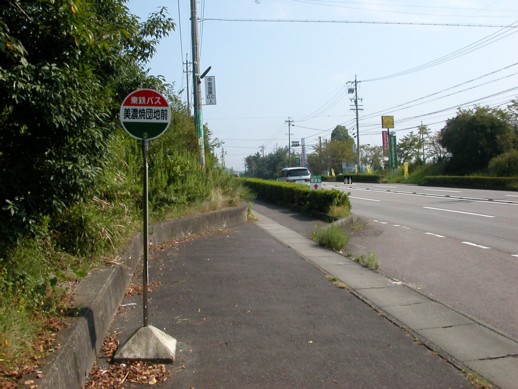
<point x="315" y="182"/>
<point x="145" y="114"/>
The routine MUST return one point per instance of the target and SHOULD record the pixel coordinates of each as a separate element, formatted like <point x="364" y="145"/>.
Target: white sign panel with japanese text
<point x="210" y="90"/>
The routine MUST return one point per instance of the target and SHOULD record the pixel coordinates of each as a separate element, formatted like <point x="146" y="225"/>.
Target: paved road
<point x="457" y="246"/>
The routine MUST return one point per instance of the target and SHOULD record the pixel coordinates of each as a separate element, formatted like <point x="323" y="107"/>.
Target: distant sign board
<point x="387" y="122"/>
<point x="145" y="114"/>
<point x="210" y="90"/>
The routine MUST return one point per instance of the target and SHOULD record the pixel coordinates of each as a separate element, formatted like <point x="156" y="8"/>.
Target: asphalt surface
<point x="251" y="307"/>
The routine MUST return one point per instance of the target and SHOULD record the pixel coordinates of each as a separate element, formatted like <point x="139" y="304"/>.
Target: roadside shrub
<point x="477" y="182"/>
<point x="505" y="165"/>
<point x="300" y="197"/>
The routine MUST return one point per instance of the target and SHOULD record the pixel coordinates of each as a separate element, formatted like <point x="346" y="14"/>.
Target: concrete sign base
<point x="148" y="343"/>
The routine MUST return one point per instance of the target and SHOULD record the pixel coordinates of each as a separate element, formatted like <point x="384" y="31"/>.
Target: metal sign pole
<point x="148" y="342"/>
<point x="145" y="270"/>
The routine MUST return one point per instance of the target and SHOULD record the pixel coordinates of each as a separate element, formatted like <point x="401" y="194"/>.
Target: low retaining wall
<point x="99" y="295"/>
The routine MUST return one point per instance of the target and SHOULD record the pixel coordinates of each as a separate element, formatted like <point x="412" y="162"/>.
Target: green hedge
<point x="356" y="177"/>
<point x="475" y="182"/>
<point x="298" y="197"/>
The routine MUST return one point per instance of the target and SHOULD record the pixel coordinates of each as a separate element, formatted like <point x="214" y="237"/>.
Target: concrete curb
<point x="99" y="295"/>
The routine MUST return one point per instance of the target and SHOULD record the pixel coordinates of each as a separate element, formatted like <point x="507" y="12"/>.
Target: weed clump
<point x="370" y="262"/>
<point x="333" y="237"/>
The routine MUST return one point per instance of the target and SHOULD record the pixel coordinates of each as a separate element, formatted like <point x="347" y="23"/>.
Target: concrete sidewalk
<point x="249" y="309"/>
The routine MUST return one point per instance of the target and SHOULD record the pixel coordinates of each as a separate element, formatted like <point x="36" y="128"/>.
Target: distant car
<point x="298" y="175"/>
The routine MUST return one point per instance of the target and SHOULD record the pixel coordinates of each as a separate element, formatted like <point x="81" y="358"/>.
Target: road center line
<point x="462" y="212"/>
<point x="363" y="198"/>
<point x="443" y="190"/>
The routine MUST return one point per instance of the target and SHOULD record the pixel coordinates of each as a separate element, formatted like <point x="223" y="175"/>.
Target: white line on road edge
<point x="465" y="213"/>
<point x="512" y="195"/>
<point x="476" y="245"/>
<point x="515" y="255"/>
<point x="436" y="235"/>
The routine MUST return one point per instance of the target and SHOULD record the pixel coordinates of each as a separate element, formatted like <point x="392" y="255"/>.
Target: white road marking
<point x="380" y="222"/>
<point x="476" y="245"/>
<point x="443" y="190"/>
<point x="363" y="198"/>
<point x="436" y="235"/>
<point x="462" y="212"/>
<point x="515" y="255"/>
<point x="512" y="195"/>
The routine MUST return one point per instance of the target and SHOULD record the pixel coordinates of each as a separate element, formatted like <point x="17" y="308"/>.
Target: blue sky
<point x="273" y="60"/>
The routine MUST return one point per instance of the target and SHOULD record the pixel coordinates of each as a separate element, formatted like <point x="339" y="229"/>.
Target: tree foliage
<point x="331" y="154"/>
<point x="340" y="133"/>
<point x="504" y="165"/>
<point x="64" y="68"/>
<point x="266" y="166"/>
<point x="372" y="156"/>
<point x="476" y="136"/>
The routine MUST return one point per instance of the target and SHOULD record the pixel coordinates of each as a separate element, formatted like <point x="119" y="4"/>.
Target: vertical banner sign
<point x="384" y="135"/>
<point x="393" y="152"/>
<point x="210" y="90"/>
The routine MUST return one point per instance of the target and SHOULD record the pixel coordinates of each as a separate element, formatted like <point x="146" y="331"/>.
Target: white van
<point x="298" y="175"/>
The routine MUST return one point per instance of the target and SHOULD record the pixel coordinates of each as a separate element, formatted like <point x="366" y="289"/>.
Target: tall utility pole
<point x="356" y="108"/>
<point x="198" y="114"/>
<point x="186" y="71"/>
<point x="290" y="123"/>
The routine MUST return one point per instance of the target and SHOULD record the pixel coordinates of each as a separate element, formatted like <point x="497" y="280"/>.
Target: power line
<point x="506" y="31"/>
<point x="335" y="99"/>
<point x="407" y="105"/>
<point x="357" y="6"/>
<point x="353" y="22"/>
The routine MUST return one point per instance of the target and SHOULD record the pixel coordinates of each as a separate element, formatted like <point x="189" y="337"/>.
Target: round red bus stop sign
<point x="145" y="114"/>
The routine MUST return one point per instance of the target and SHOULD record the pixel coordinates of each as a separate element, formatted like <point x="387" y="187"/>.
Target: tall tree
<point x="424" y="134"/>
<point x="340" y="133"/>
<point x="409" y="148"/>
<point x="64" y="69"/>
<point x="266" y="166"/>
<point x="331" y="154"/>
<point x="435" y="150"/>
<point x="372" y="156"/>
<point x="476" y="136"/>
